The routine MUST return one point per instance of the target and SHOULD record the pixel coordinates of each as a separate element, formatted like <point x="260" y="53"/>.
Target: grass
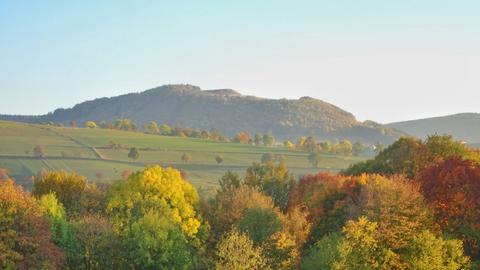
<point x="81" y="150"/>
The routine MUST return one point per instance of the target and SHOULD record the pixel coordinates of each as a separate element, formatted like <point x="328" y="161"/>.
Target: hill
<point x="463" y="126"/>
<point x="227" y="110"/>
<point x="89" y="153"/>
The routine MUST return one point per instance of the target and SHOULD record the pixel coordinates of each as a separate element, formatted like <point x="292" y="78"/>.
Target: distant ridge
<point x="462" y="126"/>
<point x="226" y="109"/>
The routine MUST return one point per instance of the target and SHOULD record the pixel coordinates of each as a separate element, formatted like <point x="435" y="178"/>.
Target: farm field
<point x="88" y="152"/>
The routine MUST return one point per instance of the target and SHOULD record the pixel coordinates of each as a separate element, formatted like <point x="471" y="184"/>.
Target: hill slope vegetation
<point x="227" y="110"/>
<point x="462" y="126"/>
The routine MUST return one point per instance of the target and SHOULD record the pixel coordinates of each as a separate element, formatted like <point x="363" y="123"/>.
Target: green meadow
<point x="88" y="152"/>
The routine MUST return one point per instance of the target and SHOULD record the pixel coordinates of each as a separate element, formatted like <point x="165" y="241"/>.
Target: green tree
<point x="268" y="140"/>
<point x="430" y="252"/>
<point x="358" y="148"/>
<point x="133" y="153"/>
<point x="272" y="179"/>
<point x="236" y="251"/>
<point x="314" y="158"/>
<point x="186" y="158"/>
<point x="63" y="233"/>
<point x="153" y="242"/>
<point x="267" y="157"/>
<point x="260" y="224"/>
<point x="258" y="139"/>
<point x="323" y="254"/>
<point x="288" y="144"/>
<point x="310" y="144"/>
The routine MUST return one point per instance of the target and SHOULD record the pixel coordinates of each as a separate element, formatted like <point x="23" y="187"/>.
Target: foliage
<point x="186" y="158"/>
<point x="268" y="140"/>
<point x="323" y="254"/>
<point x="155" y="190"/>
<point x="219" y="158"/>
<point x="409" y="156"/>
<point x="133" y="153"/>
<point x="259" y="224"/>
<point x="125" y="124"/>
<point x="165" y="130"/>
<point x="63" y="233"/>
<point x="72" y="191"/>
<point x="396" y="206"/>
<point x="235" y="251"/>
<point x="430" y="252"/>
<point x="314" y="158"/>
<point x="90" y="124"/>
<point x="242" y="137"/>
<point x="272" y="179"/>
<point x="358" y="148"/>
<point x="153" y="242"/>
<point x="453" y="189"/>
<point x="99" y="246"/>
<point x="25" y="238"/>
<point x="153" y="128"/>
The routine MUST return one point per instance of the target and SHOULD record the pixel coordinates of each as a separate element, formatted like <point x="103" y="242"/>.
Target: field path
<point x="93" y="149"/>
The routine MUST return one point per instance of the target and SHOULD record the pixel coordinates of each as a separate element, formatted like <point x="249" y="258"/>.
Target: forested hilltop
<point x="227" y="110"/>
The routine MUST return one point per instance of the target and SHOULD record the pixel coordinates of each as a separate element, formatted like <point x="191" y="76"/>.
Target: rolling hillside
<point x="463" y="126"/>
<point x="88" y="152"/>
<point x="227" y="110"/>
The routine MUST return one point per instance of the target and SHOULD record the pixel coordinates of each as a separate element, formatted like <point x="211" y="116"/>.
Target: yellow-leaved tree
<point x="155" y="190"/>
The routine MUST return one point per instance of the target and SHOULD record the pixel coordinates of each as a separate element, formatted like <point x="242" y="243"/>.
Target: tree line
<point x="415" y="205"/>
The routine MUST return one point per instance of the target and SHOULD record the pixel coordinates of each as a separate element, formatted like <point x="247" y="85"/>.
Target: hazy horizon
<point x="380" y="61"/>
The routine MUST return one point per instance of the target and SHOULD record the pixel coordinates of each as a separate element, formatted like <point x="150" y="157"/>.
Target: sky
<point x="380" y="60"/>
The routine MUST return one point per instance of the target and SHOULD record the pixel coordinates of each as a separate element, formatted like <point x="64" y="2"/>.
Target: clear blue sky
<point x="381" y="60"/>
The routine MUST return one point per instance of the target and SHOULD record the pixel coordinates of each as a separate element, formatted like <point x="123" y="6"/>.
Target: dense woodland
<point x="416" y="205"/>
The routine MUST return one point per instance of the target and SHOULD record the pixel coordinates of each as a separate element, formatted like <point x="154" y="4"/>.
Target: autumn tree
<point x="165" y="130"/>
<point x="153" y="128"/>
<point x="235" y="251"/>
<point x="344" y="147"/>
<point x="288" y="144"/>
<point x="90" y="124"/>
<point x="242" y="137"/>
<point x="133" y="153"/>
<point x="99" y="247"/>
<point x="452" y="187"/>
<point x="25" y="238"/>
<point x="155" y="190"/>
<point x="125" y="124"/>
<point x="71" y="190"/>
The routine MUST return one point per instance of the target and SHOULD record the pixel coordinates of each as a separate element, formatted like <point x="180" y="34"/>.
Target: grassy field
<point x="87" y="152"/>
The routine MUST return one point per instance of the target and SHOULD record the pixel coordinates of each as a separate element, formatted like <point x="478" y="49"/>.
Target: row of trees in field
<point x="310" y="144"/>
<point x="415" y="206"/>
